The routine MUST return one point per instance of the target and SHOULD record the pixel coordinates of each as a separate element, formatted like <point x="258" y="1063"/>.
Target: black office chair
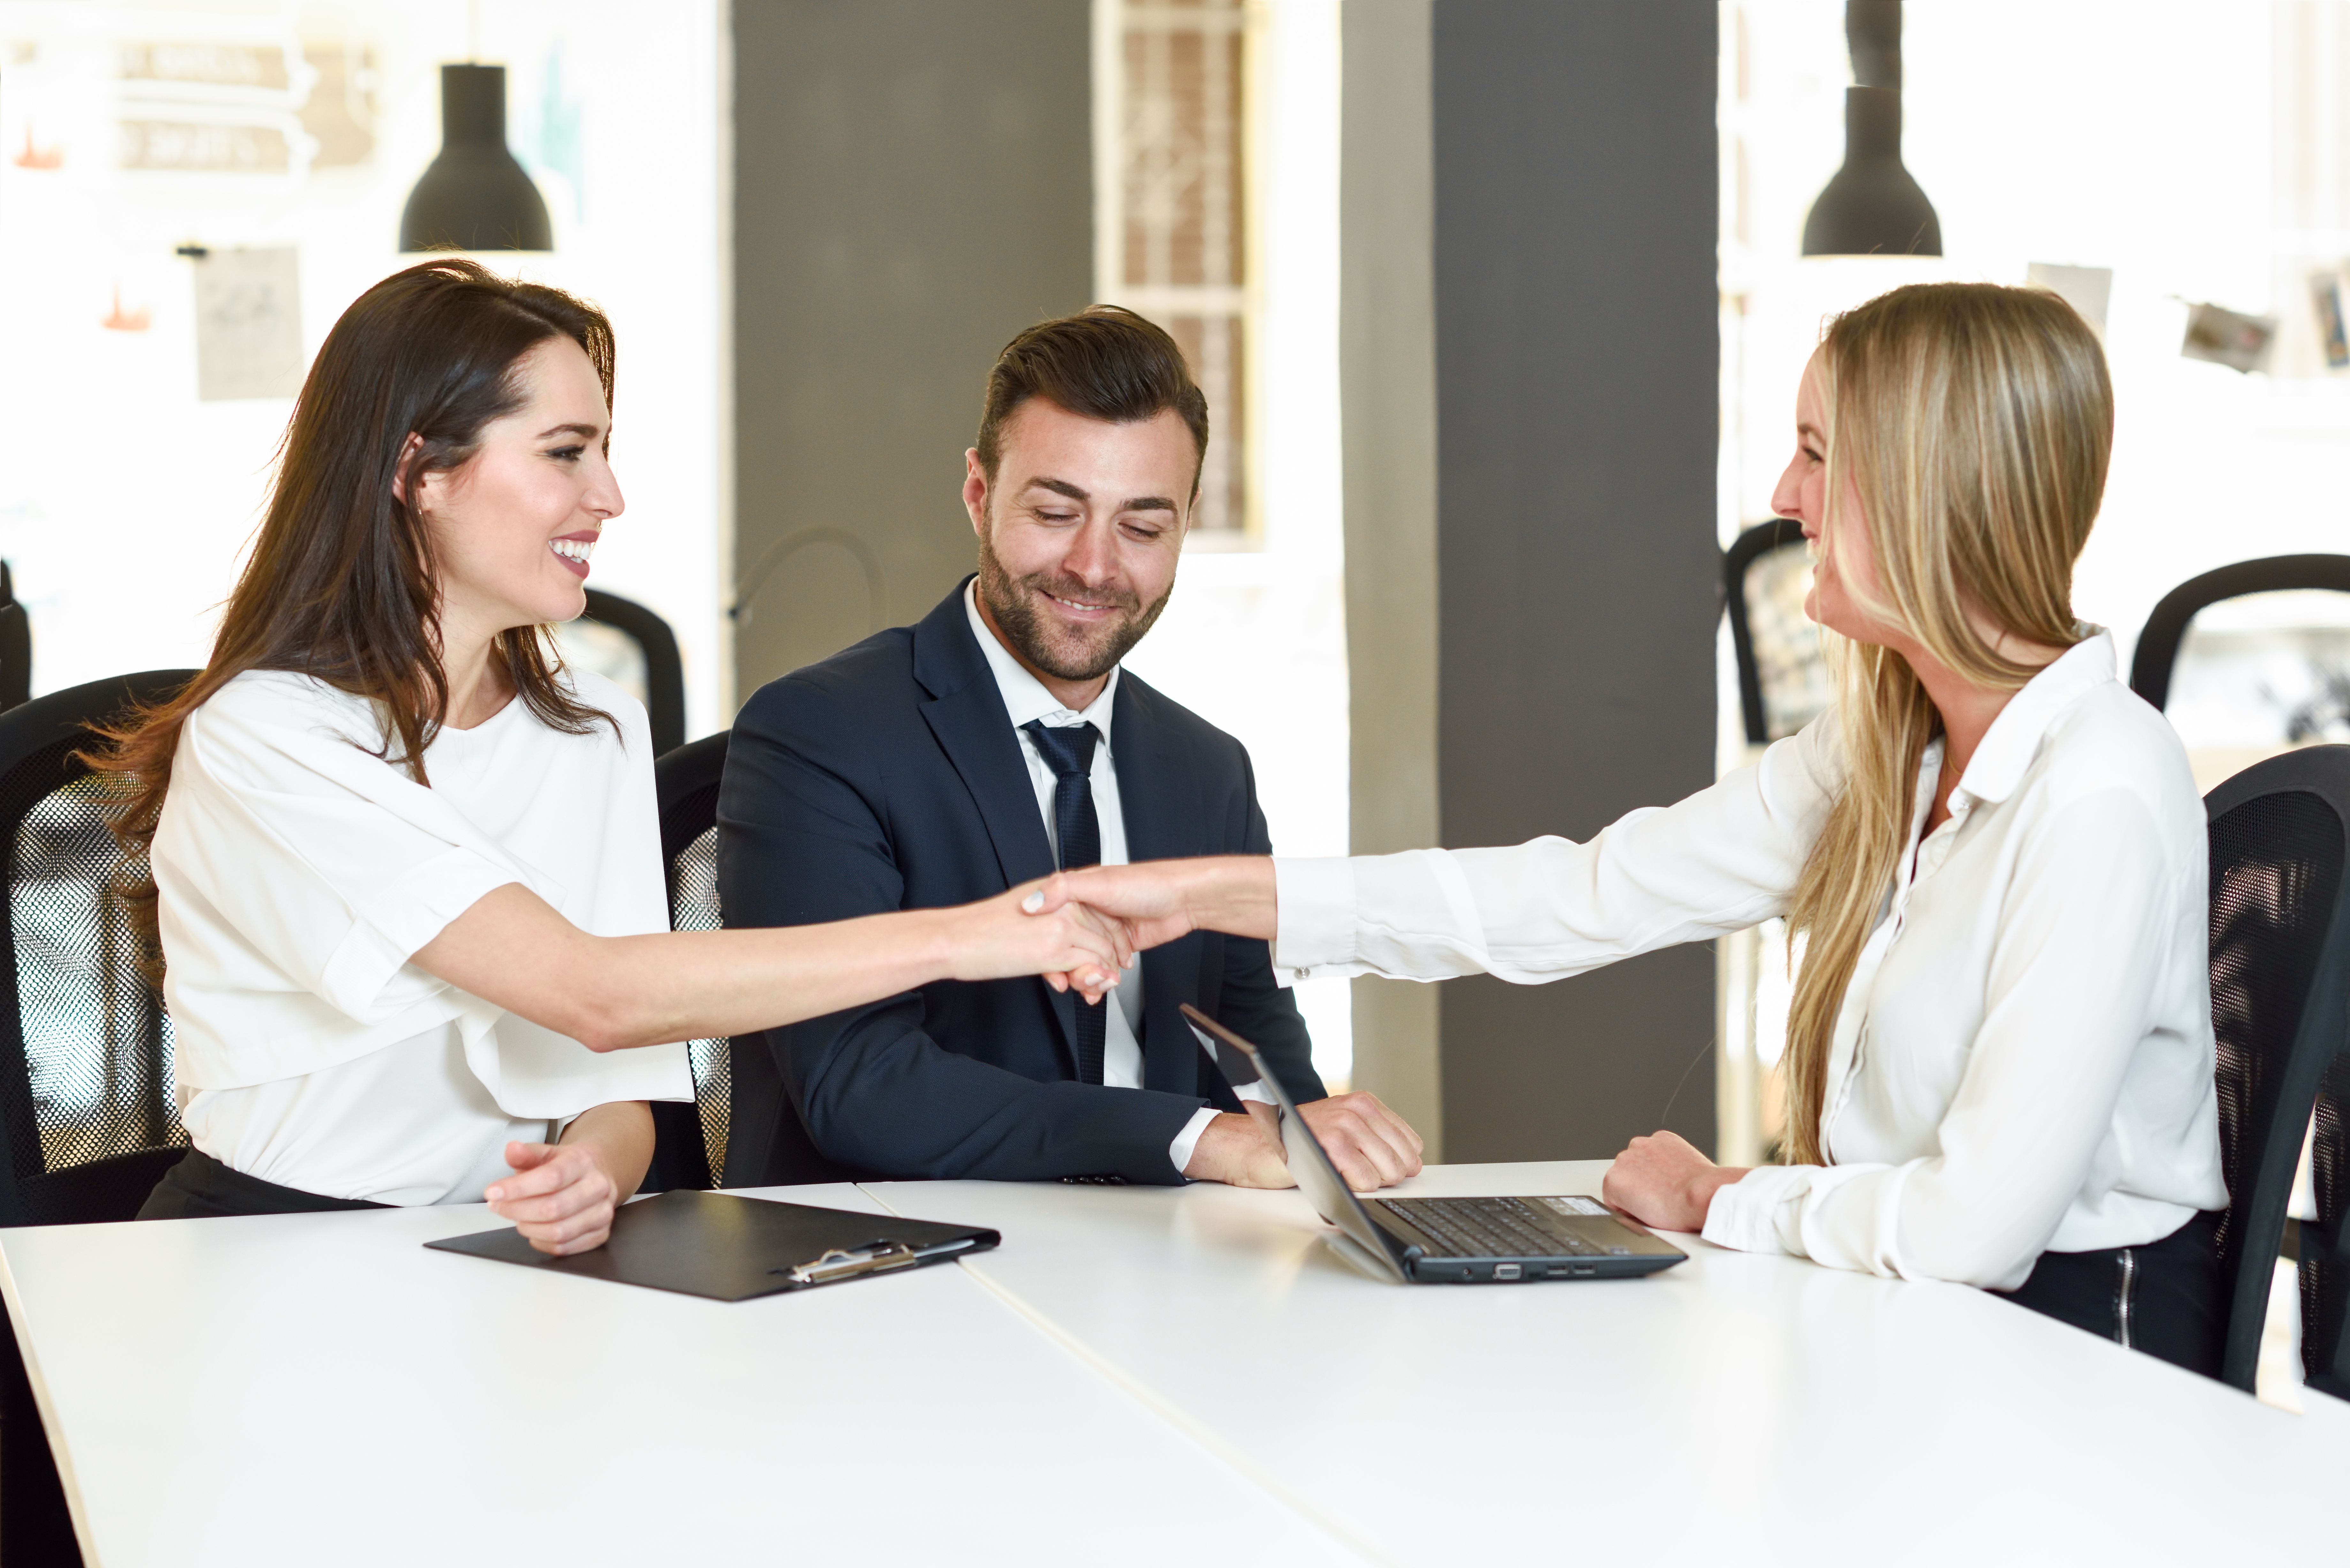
<point x="653" y="645"/>
<point x="87" y="1120"/>
<point x="1782" y="678"/>
<point x="2280" y="1011"/>
<point x="690" y="1141"/>
<point x="2325" y="1241"/>
<point x="2157" y="658"/>
<point x="88" y="1124"/>
<point x="16" y="645"/>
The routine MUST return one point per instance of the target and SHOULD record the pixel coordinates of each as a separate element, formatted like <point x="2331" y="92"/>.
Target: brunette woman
<point x="1998" y="1063"/>
<point x="406" y="867"/>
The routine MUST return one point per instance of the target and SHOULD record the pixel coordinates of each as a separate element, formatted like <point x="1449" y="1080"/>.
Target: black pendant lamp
<point x="1872" y="206"/>
<point x="475" y="196"/>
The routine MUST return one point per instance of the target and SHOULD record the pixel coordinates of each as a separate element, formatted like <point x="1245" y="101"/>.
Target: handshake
<point x="1081" y="930"/>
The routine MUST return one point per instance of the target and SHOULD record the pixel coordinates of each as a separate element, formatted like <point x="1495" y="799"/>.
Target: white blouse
<point x="2024" y="1059"/>
<point x="298" y="872"/>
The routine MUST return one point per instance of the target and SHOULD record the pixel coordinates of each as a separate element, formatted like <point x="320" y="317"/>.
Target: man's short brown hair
<point x="1104" y="363"/>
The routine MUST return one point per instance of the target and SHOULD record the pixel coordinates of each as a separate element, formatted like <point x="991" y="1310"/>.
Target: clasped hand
<point x="560" y="1197"/>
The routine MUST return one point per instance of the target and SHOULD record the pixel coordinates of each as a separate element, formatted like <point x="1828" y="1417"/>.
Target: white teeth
<point x="573" y="549"/>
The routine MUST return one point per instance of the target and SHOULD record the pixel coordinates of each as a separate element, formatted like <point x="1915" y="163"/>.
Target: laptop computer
<point x="1446" y="1240"/>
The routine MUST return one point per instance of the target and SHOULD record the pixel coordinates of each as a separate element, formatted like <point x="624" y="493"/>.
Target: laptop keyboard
<point x="1491" y="1228"/>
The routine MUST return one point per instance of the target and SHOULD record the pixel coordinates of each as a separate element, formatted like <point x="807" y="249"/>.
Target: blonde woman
<point x="2000" y="1055"/>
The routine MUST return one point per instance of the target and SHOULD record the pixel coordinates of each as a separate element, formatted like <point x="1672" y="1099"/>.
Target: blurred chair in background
<point x="2251" y="660"/>
<point x="1783" y="685"/>
<point x="16" y="645"/>
<point x="1782" y="679"/>
<point x="630" y="646"/>
<point x="690" y="1141"/>
<point x="2280" y="836"/>
<point x="88" y="1122"/>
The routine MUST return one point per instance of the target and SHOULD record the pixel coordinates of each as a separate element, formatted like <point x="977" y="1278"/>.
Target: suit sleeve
<point x="1252" y="1004"/>
<point x="804" y="836"/>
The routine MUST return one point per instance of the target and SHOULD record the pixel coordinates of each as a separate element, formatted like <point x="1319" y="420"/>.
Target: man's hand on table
<point x="1371" y="1145"/>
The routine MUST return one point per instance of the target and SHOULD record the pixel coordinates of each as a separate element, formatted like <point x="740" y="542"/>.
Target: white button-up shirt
<point x="2024" y="1058"/>
<point x="1026" y="700"/>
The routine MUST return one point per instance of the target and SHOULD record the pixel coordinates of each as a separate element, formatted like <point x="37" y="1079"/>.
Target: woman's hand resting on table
<point x="1665" y="1183"/>
<point x="561" y="1197"/>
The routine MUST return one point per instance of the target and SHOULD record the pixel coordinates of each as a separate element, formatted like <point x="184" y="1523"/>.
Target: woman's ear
<point x="408" y="451"/>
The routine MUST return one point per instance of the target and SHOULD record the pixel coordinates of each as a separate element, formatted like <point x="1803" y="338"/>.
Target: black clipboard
<point x="732" y="1249"/>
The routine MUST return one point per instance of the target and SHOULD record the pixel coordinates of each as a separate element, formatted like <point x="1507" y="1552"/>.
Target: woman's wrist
<point x="1235" y="894"/>
<point x="1709" y="1185"/>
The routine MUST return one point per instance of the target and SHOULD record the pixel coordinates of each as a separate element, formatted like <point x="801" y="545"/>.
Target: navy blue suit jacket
<point x="889" y="777"/>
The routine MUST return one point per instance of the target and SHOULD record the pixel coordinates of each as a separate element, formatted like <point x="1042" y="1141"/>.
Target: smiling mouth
<point x="1077" y="605"/>
<point x="574" y="554"/>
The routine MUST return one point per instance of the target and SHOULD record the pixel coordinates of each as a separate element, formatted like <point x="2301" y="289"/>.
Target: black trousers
<point x="2163" y="1298"/>
<point x="202" y="1188"/>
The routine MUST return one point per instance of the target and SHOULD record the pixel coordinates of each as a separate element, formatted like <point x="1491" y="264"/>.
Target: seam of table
<point x="1143" y="1394"/>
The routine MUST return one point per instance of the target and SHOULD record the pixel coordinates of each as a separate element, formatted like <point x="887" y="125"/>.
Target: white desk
<point x="1712" y="1411"/>
<point x="314" y="1389"/>
<point x="1136" y="1370"/>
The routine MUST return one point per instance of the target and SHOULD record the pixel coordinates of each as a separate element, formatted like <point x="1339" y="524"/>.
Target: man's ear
<point x="974" y="490"/>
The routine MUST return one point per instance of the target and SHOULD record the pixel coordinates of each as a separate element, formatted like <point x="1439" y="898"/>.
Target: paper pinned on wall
<point x="2086" y="288"/>
<point x="248" y="325"/>
<point x="2227" y="338"/>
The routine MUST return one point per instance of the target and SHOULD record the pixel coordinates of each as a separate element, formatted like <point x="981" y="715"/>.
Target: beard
<point x="1064" y="653"/>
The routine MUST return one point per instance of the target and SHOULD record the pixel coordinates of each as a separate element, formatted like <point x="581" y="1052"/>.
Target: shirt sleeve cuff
<point x="408" y="914"/>
<point x="1314" y="930"/>
<point x="1179" y="1151"/>
<point x="1747" y="1215"/>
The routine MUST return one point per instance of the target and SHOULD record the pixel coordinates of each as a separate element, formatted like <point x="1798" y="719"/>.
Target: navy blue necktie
<point x="1069" y="752"/>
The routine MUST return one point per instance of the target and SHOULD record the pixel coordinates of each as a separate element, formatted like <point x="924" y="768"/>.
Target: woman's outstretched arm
<point x="513" y="950"/>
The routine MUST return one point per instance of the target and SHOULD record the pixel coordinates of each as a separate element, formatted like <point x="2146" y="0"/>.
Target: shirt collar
<point x="1025" y="697"/>
<point x="2014" y="737"/>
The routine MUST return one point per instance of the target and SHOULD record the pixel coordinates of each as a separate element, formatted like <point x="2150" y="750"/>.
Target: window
<point x="1172" y="236"/>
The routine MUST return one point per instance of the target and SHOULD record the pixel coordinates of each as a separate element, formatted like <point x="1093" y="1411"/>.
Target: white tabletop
<point x="1136" y="1375"/>
<point x="311" y="1389"/>
<point x="1743" y="1409"/>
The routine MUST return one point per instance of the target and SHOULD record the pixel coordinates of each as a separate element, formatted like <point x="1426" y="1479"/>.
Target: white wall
<point x="2132" y="134"/>
<point x="125" y="502"/>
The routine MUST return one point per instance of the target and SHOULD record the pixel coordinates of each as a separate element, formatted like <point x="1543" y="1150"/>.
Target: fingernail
<point x="1034" y="901"/>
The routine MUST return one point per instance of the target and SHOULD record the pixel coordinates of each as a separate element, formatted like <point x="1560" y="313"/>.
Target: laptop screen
<point x="1317" y="1177"/>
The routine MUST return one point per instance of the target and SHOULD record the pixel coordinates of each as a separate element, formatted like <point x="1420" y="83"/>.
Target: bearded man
<point x="991" y="745"/>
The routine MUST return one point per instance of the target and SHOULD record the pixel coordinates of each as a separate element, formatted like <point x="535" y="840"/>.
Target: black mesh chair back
<point x="1783" y="681"/>
<point x="2280" y="1005"/>
<point x="2156" y="661"/>
<point x="624" y="640"/>
<point x="87" y="1119"/>
<point x="16" y="645"/>
<point x="690" y="1141"/>
<point x="2326" y="1242"/>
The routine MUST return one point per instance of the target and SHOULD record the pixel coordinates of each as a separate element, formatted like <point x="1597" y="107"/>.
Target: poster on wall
<point x="248" y="325"/>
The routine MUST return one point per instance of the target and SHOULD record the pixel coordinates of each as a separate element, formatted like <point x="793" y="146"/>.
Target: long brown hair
<point x="341" y="585"/>
<point x="1974" y="422"/>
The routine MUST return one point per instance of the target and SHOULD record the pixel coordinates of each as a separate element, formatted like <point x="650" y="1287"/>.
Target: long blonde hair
<point x="1974" y="423"/>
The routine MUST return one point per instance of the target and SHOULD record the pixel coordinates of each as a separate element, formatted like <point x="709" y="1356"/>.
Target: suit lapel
<point x="966" y="713"/>
<point x="1158" y="795"/>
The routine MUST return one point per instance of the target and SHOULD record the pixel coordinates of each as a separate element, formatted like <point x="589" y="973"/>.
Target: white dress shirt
<point x="298" y="873"/>
<point x="2024" y="1058"/>
<point x="1026" y="700"/>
